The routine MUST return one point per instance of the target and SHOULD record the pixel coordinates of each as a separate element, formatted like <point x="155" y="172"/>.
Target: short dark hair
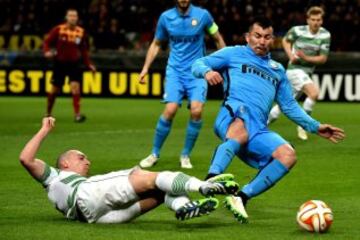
<point x="262" y="21"/>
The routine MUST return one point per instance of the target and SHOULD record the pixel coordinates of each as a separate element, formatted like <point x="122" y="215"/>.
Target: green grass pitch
<point x="119" y="133"/>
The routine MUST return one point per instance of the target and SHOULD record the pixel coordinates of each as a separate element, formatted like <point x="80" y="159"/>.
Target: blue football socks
<point x="192" y="132"/>
<point x="161" y="132"/>
<point x="265" y="179"/>
<point x="223" y="155"/>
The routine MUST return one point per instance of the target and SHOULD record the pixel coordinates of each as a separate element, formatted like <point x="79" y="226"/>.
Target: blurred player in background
<point x="67" y="44"/>
<point x="252" y="81"/>
<point x="306" y="46"/>
<point x="119" y="196"/>
<point x="184" y="27"/>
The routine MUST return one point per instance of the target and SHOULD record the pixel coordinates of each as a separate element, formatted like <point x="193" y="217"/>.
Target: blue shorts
<point x="262" y="142"/>
<point x="177" y="87"/>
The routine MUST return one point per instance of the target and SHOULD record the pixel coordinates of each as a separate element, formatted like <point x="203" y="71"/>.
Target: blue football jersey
<point x="185" y="34"/>
<point x="256" y="81"/>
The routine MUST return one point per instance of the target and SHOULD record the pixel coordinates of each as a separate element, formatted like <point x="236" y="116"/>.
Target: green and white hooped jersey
<point x="311" y="44"/>
<point x="61" y="187"/>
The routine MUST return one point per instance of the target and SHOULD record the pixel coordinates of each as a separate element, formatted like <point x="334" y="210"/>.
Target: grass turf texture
<point x="119" y="133"/>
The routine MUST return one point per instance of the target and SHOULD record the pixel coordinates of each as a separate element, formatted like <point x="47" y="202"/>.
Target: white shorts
<point x="103" y="193"/>
<point x="298" y="78"/>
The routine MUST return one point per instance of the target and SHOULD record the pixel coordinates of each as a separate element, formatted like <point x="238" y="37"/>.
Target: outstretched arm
<point x="27" y="156"/>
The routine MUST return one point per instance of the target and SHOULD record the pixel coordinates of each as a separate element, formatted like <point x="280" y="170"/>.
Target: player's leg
<point x="236" y="135"/>
<point x="274" y="114"/>
<point x="274" y="157"/>
<point x="192" y="133"/>
<point x="75" y="76"/>
<point x="196" y="90"/>
<point x="283" y="158"/>
<point x="173" y="98"/>
<point x="312" y="93"/>
<point x="58" y="79"/>
<point x="177" y="183"/>
<point x="162" y="130"/>
<point x="51" y="97"/>
<point x="302" y="83"/>
<point x="133" y="211"/>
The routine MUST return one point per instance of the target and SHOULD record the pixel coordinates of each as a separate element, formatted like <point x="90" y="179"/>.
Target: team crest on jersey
<point x="194" y="22"/>
<point x="274" y="64"/>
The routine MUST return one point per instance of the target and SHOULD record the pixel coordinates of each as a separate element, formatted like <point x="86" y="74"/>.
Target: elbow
<point x="24" y="160"/>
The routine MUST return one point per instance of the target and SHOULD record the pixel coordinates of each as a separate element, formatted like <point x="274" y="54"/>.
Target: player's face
<point x="78" y="162"/>
<point x="183" y="4"/>
<point x="260" y="39"/>
<point x="72" y="17"/>
<point x="315" y="22"/>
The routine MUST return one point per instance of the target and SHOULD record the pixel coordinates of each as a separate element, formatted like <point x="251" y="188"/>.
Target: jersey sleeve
<point x="211" y="26"/>
<point x="161" y="32"/>
<point x="291" y="108"/>
<point x="215" y="61"/>
<point x="291" y="35"/>
<point x="49" y="174"/>
<point x="50" y="39"/>
<point x="325" y="46"/>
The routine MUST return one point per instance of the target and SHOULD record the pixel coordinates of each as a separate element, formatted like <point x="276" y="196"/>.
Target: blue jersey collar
<point x="251" y="51"/>
<point x="188" y="13"/>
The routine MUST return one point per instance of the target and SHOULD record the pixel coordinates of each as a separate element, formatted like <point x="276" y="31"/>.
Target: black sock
<point x="243" y="196"/>
<point x="210" y="175"/>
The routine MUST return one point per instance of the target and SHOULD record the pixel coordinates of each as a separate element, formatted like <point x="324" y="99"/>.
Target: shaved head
<point x="65" y="155"/>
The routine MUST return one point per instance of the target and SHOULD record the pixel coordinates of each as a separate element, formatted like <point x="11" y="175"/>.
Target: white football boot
<point x="302" y="133"/>
<point x="185" y="162"/>
<point x="149" y="161"/>
<point x="236" y="206"/>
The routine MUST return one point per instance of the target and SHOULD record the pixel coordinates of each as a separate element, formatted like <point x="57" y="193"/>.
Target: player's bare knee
<point x="143" y="180"/>
<point x="286" y="155"/>
<point x="169" y="112"/>
<point x="196" y="113"/>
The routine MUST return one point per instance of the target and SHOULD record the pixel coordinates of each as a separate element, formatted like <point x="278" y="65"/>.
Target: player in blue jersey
<point x="252" y="81"/>
<point x="184" y="27"/>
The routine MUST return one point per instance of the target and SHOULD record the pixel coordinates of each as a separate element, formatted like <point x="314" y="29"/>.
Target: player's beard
<point x="183" y="5"/>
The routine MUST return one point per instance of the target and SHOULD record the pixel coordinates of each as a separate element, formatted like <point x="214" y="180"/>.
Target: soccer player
<point x="67" y="43"/>
<point x="118" y="196"/>
<point x="306" y="46"/>
<point x="184" y="26"/>
<point x="252" y="81"/>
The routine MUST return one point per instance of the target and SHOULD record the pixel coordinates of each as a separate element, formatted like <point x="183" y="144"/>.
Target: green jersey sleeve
<point x="49" y="174"/>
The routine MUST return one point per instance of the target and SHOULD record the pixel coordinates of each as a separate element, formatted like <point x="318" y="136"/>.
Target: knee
<point x="143" y="180"/>
<point x="286" y="155"/>
<point x="196" y="113"/>
<point x="169" y="113"/>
